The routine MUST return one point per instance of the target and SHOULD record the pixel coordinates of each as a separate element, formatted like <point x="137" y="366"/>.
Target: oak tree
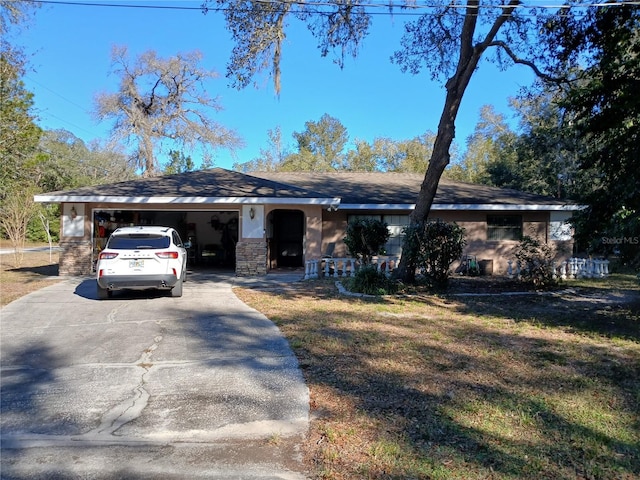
<point x="163" y="101"/>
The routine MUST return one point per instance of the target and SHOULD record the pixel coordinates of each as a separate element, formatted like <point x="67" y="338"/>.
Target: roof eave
<point x="53" y="198"/>
<point x="464" y="206"/>
<point x="326" y="201"/>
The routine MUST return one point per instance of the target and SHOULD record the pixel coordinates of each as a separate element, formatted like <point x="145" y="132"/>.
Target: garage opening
<point x="213" y="234"/>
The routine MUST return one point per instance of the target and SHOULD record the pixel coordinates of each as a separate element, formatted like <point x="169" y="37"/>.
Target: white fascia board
<point x="462" y="206"/>
<point x="185" y="200"/>
<point x="330" y="202"/>
<point x="376" y="206"/>
<point x="507" y="207"/>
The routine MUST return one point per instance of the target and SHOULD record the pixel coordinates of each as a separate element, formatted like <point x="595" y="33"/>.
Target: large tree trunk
<point x="440" y="156"/>
<point x="146" y="151"/>
<point x="470" y="55"/>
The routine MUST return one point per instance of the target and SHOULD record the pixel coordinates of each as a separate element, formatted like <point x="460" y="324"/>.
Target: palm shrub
<point x="431" y="247"/>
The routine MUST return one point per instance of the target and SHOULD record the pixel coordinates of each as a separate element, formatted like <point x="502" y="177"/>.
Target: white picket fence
<point x="572" y="268"/>
<point x="345" y="267"/>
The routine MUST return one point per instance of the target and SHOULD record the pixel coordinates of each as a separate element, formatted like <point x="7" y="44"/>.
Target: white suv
<point x="140" y="258"/>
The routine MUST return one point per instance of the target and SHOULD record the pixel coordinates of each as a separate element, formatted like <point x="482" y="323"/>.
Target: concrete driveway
<point x="147" y="386"/>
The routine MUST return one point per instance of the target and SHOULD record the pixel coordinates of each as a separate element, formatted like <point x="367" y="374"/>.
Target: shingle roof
<point x="402" y="188"/>
<point x="347" y="188"/>
<point x="216" y="182"/>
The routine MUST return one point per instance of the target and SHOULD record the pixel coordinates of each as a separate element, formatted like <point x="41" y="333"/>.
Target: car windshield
<point x="136" y="241"/>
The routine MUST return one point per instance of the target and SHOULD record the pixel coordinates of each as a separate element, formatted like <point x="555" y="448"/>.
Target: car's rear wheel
<point x="103" y="293"/>
<point x="176" y="291"/>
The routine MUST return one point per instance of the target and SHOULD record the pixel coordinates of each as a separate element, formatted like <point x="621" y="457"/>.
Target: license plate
<point x="136" y="263"/>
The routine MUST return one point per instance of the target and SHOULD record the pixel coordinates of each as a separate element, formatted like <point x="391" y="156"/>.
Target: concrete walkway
<point x="149" y="386"/>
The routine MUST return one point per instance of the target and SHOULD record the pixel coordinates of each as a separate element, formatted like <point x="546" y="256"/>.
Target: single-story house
<point x="258" y="222"/>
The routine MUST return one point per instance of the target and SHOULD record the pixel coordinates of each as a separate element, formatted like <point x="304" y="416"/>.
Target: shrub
<point x="370" y="281"/>
<point x="536" y="263"/>
<point x="366" y="237"/>
<point x="432" y="247"/>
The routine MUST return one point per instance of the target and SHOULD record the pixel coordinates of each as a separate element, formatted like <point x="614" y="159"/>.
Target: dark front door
<point x="288" y="236"/>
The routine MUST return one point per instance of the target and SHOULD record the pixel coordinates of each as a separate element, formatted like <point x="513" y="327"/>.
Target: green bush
<point x="432" y="247"/>
<point x="366" y="237"/>
<point x="536" y="263"/>
<point x="370" y="281"/>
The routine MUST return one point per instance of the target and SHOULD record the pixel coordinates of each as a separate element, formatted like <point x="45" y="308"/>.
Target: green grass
<point x="615" y="281"/>
<point x="541" y="387"/>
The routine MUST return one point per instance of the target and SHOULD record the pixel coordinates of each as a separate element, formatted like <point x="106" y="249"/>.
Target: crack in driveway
<point x="130" y="409"/>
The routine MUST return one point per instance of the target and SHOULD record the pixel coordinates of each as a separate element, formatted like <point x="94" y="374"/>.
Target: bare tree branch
<point x="521" y="61"/>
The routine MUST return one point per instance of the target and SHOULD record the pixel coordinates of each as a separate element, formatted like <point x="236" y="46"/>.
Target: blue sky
<point x="70" y="49"/>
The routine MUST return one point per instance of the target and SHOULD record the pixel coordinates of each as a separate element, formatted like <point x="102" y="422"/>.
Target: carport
<point x="213" y="234"/>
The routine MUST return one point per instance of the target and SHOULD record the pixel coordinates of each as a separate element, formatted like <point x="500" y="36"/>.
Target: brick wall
<point x="75" y="257"/>
<point x="251" y="258"/>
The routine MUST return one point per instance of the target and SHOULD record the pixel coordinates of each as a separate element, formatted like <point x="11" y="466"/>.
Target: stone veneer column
<point x="75" y="257"/>
<point x="251" y="257"/>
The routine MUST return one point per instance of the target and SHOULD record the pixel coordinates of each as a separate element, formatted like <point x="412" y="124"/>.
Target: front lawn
<point x="37" y="270"/>
<point x="464" y="387"/>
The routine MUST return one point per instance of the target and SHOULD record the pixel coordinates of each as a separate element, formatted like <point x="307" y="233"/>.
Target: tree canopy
<point x="19" y="134"/>
<point x="605" y="109"/>
<point x="320" y="146"/>
<point x="581" y="141"/>
<point x="14" y="17"/>
<point x="324" y="146"/>
<point x="66" y="161"/>
<point x="484" y="148"/>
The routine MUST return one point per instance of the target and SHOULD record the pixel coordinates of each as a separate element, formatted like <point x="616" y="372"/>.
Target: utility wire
<point x="49" y="114"/>
<point x="77" y="127"/>
<point x="406" y="9"/>
<point x="33" y="80"/>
